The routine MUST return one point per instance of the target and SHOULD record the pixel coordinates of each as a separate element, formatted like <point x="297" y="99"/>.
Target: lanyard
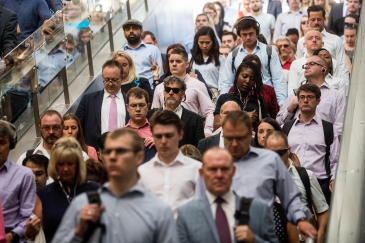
<point x="69" y="198"/>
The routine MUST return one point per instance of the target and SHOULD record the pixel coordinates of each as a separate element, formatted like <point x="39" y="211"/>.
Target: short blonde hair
<point x="66" y="149"/>
<point x="132" y="74"/>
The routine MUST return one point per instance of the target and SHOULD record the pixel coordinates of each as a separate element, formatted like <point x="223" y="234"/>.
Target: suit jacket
<point x="274" y="8"/>
<point x="89" y="113"/>
<point x="208" y="142"/>
<point x="195" y="222"/>
<point x="8" y="37"/>
<point x="192" y="125"/>
<point x="336" y="14"/>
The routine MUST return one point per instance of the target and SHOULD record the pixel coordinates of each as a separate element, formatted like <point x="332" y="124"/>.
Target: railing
<point x="41" y="68"/>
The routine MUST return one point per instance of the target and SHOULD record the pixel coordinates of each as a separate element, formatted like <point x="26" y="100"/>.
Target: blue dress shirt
<point x="261" y="174"/>
<point x="277" y="79"/>
<point x="141" y="55"/>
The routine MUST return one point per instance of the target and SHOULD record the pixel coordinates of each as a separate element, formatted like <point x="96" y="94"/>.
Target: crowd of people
<point x="232" y="135"/>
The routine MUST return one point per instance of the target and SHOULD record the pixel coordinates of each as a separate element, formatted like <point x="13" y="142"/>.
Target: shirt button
<point x="116" y="214"/>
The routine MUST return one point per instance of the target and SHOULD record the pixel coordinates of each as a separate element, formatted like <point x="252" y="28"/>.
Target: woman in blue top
<point x="68" y="170"/>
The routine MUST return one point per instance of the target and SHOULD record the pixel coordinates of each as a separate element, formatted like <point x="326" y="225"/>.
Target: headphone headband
<point x="250" y="18"/>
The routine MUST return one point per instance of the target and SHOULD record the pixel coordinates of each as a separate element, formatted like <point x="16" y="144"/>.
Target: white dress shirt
<point x="178" y="111"/>
<point x="173" y="183"/>
<point x="265" y="6"/>
<point x="344" y="12"/>
<point x="318" y="199"/>
<point x="229" y="207"/>
<point x="221" y="141"/>
<point x="105" y="108"/>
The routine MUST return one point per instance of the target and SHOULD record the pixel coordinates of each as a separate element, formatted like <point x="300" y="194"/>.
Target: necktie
<point x="113" y="114"/>
<point x="222" y="222"/>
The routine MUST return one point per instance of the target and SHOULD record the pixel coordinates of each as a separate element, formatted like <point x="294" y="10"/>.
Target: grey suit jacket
<point x="274" y="8"/>
<point x="195" y="222"/>
<point x="335" y="14"/>
<point x="206" y="143"/>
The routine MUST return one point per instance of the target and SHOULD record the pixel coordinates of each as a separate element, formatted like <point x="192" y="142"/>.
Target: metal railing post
<point x="128" y="10"/>
<point x="111" y="38"/>
<point x="146" y="5"/>
<point x="66" y="93"/>
<point x="90" y="59"/>
<point x="34" y="91"/>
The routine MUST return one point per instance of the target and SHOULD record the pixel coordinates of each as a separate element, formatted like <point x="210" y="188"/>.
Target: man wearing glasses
<point x="332" y="106"/>
<point x="104" y="111"/>
<point x="307" y="139"/>
<point x="277" y="141"/>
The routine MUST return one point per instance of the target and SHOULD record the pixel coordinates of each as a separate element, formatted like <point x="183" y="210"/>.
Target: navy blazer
<point x="208" y="142"/>
<point x="195" y="222"/>
<point x="8" y="36"/>
<point x="274" y="8"/>
<point x="336" y="14"/>
<point x="89" y="114"/>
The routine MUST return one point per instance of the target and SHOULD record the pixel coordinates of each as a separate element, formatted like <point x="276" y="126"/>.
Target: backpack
<point x="268" y="52"/>
<point x="242" y="215"/>
<point x="328" y="138"/>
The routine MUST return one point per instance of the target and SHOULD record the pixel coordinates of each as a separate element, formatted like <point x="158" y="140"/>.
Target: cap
<point x="132" y="22"/>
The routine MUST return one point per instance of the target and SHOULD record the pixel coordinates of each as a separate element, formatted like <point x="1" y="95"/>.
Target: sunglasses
<point x="285" y="46"/>
<point x="350" y="26"/>
<point x="304" y="22"/>
<point x="281" y="152"/>
<point x="175" y="90"/>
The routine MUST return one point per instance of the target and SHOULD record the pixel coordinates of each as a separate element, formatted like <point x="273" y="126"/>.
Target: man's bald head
<point x="228" y="107"/>
<point x="216" y="153"/>
<point x="313" y="40"/>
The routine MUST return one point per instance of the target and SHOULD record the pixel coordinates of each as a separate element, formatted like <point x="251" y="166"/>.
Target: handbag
<point x="40" y="238"/>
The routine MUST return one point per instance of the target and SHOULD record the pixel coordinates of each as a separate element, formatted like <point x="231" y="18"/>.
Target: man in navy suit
<point x="274" y="8"/>
<point x="8" y="38"/>
<point x="211" y="218"/>
<point x="95" y="109"/>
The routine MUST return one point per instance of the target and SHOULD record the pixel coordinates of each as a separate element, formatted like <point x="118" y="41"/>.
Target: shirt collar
<point x="324" y="32"/>
<point x="146" y="123"/>
<point x="291" y="166"/>
<point x="316" y="119"/>
<point x="130" y="48"/>
<point x="259" y="45"/>
<point x="117" y="95"/>
<point x="6" y="165"/>
<point x="227" y="197"/>
<point x="252" y="152"/>
<point x="136" y="188"/>
<point x="179" y="159"/>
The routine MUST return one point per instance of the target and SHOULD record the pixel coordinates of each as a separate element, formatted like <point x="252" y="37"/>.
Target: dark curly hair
<point x="258" y="88"/>
<point x="196" y="52"/>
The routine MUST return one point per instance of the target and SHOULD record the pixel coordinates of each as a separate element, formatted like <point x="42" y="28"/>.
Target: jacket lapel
<point x="205" y="209"/>
<point x="125" y="107"/>
<point x="97" y="104"/>
<point x="185" y="116"/>
<point x="216" y="139"/>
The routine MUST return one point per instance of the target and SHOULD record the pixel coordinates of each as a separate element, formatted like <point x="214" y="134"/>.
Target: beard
<point x="133" y="40"/>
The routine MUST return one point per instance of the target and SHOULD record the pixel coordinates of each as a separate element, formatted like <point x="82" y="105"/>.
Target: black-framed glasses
<point x="68" y="144"/>
<point x="175" y="90"/>
<point x="308" y="97"/>
<point x="238" y="139"/>
<point x="311" y="64"/>
<point x="350" y="26"/>
<point x="118" y="151"/>
<point x="53" y="128"/>
<point x="281" y="152"/>
<point x="140" y="105"/>
<point x="111" y="80"/>
<point x="285" y="46"/>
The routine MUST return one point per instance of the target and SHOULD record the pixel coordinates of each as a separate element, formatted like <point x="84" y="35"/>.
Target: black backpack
<point x="242" y="215"/>
<point x="307" y="185"/>
<point x="328" y="138"/>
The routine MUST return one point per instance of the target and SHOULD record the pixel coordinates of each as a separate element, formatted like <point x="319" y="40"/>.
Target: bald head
<point x="216" y="153"/>
<point x="318" y="59"/>
<point x="313" y="41"/>
<point x="228" y="107"/>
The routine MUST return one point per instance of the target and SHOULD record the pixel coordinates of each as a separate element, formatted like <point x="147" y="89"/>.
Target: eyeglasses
<point x="238" y="139"/>
<point x="304" y="22"/>
<point x="140" y="105"/>
<point x="311" y="64"/>
<point x="175" y="90"/>
<point x="49" y="128"/>
<point x="350" y="26"/>
<point x="308" y="97"/>
<point x="114" y="81"/>
<point x="118" y="151"/>
<point x="285" y="46"/>
<point x="70" y="145"/>
<point x="281" y="152"/>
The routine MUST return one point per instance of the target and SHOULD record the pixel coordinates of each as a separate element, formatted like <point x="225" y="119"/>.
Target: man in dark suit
<point x="274" y="8"/>
<point x="217" y="138"/>
<point x="104" y="110"/>
<point x="8" y="24"/>
<point x="336" y="15"/>
<point x="212" y="217"/>
<point x="174" y="93"/>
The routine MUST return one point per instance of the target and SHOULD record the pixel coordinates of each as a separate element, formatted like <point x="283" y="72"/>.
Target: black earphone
<point x="250" y="18"/>
<point x="323" y="70"/>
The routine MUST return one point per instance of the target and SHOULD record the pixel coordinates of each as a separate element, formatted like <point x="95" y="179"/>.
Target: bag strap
<point x="328" y="138"/>
<point x="29" y="152"/>
<point x="234" y="54"/>
<point x="269" y="53"/>
<point x="306" y="182"/>
<point x="287" y="126"/>
<point x="93" y="196"/>
<point x="243" y="215"/>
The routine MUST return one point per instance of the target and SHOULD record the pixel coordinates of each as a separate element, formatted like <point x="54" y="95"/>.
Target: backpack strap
<point x="306" y="182"/>
<point x="328" y="138"/>
<point x="93" y="196"/>
<point x="243" y="215"/>
<point x="29" y="152"/>
<point x="234" y="54"/>
<point x="287" y="126"/>
<point x="269" y="53"/>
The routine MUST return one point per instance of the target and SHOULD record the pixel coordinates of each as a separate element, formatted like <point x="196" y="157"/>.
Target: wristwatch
<point x="301" y="219"/>
<point x="15" y="236"/>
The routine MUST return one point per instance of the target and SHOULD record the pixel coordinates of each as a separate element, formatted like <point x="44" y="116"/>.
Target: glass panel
<point x="135" y="4"/>
<point x="119" y="17"/>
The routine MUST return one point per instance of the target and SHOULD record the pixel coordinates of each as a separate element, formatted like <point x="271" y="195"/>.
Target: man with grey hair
<point x="284" y="45"/>
<point x="17" y="187"/>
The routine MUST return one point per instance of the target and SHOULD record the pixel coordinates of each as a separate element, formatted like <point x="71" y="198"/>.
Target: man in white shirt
<point x="170" y="175"/>
<point x="333" y="43"/>
<point x="278" y="142"/>
<point x="312" y="42"/>
<point x="288" y="20"/>
<point x="104" y="111"/>
<point x="266" y="21"/>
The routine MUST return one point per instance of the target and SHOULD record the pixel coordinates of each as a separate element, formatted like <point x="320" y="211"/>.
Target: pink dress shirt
<point x="143" y="131"/>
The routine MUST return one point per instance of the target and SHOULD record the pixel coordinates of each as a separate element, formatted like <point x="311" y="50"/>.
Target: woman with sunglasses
<point x="247" y="90"/>
<point x="130" y="77"/>
<point x="68" y="170"/>
<point x="304" y="26"/>
<point x="206" y="58"/>
<point x="72" y="128"/>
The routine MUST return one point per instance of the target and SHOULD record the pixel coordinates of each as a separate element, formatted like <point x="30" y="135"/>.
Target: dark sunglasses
<point x="285" y="46"/>
<point x="350" y="26"/>
<point x="304" y="22"/>
<point x="281" y="152"/>
<point x="175" y="90"/>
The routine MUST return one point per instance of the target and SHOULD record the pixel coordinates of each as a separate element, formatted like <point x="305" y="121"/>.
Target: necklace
<point x="69" y="198"/>
<point x="244" y="103"/>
